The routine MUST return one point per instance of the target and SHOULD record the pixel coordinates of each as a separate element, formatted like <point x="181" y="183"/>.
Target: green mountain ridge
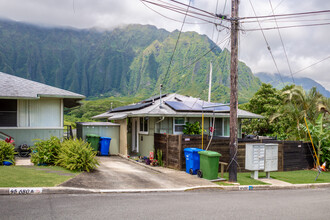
<point x="126" y="61"/>
<point x="279" y="81"/>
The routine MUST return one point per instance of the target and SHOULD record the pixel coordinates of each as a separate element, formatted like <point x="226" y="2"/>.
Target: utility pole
<point x="233" y="144"/>
<point x="210" y="83"/>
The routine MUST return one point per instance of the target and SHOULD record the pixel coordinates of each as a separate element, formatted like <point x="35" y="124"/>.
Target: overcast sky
<point x="304" y="45"/>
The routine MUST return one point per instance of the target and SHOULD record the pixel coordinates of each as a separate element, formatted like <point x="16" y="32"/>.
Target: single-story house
<point x="30" y="110"/>
<point x="167" y="114"/>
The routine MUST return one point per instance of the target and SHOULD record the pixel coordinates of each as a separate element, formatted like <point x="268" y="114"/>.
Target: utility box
<point x="259" y="156"/>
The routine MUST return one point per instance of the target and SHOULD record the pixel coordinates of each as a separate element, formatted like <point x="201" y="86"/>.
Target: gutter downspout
<point x="162" y="119"/>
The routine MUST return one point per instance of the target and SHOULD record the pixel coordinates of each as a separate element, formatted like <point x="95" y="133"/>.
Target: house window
<point x="178" y="125"/>
<point x="8" y="113"/>
<point x="218" y="129"/>
<point x="221" y="127"/>
<point x="144" y="125"/>
<point x="226" y="127"/>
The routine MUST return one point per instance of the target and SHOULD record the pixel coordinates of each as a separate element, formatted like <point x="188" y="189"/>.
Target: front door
<point x="135" y="135"/>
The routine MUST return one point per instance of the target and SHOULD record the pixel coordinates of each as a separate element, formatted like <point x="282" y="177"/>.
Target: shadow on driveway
<point x="117" y="173"/>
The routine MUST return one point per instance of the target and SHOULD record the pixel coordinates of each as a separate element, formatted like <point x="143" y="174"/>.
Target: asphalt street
<point x="198" y="204"/>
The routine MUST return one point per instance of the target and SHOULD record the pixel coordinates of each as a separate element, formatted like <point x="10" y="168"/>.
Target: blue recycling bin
<point x="104" y="146"/>
<point x="192" y="160"/>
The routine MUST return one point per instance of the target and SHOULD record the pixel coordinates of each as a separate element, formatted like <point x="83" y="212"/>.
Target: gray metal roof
<point x="13" y="87"/>
<point x="97" y="124"/>
<point x="155" y="110"/>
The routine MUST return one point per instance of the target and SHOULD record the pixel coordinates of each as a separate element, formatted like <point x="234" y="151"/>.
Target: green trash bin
<point x="94" y="140"/>
<point x="209" y="165"/>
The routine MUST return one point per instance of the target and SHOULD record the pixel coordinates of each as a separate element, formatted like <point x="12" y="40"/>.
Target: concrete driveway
<point x="115" y="172"/>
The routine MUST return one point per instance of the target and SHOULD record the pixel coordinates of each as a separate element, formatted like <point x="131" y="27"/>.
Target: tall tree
<point x="266" y="102"/>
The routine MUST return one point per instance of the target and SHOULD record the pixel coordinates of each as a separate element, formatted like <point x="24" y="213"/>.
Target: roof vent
<point x="176" y="98"/>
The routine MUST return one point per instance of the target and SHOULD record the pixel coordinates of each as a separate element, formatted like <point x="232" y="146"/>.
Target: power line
<point x="287" y="21"/>
<point x="180" y="9"/>
<point x="167" y="16"/>
<point x="268" y="47"/>
<point x="198" y="59"/>
<point x="311" y="65"/>
<point x="176" y="44"/>
<point x="286" y="27"/>
<point x="214" y="27"/>
<point x="279" y="33"/>
<point x="278" y="5"/>
<point x="286" y="15"/>
<point x="193" y="12"/>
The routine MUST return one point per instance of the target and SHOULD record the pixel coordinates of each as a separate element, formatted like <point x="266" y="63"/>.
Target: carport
<point x="103" y="129"/>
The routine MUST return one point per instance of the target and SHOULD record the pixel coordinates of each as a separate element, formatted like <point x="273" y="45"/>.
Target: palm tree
<point x="299" y="104"/>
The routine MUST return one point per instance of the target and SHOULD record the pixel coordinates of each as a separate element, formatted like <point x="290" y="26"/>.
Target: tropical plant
<point x="192" y="128"/>
<point x="160" y="157"/>
<point x="298" y="104"/>
<point x="77" y="155"/>
<point x="266" y="102"/>
<point x="7" y="152"/>
<point x="320" y="136"/>
<point x="45" y="152"/>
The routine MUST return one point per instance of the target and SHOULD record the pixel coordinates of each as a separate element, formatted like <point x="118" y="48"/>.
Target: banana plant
<point x="321" y="137"/>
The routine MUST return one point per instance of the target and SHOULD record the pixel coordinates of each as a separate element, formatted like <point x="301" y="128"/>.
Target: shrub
<point x="46" y="151"/>
<point x="7" y="152"/>
<point x="192" y="129"/>
<point x="77" y="155"/>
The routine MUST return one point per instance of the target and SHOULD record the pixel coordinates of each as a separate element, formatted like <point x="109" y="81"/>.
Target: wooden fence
<point x="292" y="155"/>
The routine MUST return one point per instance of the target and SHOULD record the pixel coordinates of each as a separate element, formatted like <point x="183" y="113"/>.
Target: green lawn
<point x="300" y="176"/>
<point x="294" y="177"/>
<point x="33" y="176"/>
<point x="243" y="179"/>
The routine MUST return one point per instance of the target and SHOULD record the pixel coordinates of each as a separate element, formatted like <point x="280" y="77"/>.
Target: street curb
<point x="276" y="187"/>
<point x="71" y="190"/>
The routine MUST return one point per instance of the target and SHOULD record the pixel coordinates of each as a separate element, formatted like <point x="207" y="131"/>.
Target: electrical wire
<point x="311" y="65"/>
<point x="214" y="27"/>
<point x="279" y="33"/>
<point x="194" y="13"/>
<point x="278" y="5"/>
<point x="172" y="19"/>
<point x="286" y="20"/>
<point x="198" y="59"/>
<point x="268" y="47"/>
<point x="287" y="15"/>
<point x="286" y="27"/>
<point x="176" y="44"/>
<point x="179" y="9"/>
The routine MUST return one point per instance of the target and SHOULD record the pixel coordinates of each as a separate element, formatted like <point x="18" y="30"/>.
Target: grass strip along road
<point x="34" y="176"/>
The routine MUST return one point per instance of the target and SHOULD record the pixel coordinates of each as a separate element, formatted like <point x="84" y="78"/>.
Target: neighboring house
<point x="30" y="110"/>
<point x="168" y="114"/>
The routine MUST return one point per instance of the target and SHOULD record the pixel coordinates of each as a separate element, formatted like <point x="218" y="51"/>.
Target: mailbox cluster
<point x="259" y="156"/>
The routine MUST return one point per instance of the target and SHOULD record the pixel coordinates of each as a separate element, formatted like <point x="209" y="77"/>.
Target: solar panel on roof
<point x="195" y="106"/>
<point x="153" y="98"/>
<point x="177" y="106"/>
<point x="131" y="107"/>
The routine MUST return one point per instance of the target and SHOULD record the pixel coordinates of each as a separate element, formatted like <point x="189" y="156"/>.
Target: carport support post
<point x="233" y="92"/>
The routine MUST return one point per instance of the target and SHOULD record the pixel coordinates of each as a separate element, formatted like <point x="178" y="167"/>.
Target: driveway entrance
<point x="118" y="173"/>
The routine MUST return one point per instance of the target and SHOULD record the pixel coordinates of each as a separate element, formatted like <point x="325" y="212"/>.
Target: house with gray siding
<point x="168" y="114"/>
<point x="30" y="110"/>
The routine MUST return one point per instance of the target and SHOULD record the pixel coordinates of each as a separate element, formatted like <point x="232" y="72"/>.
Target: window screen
<point x="8" y="113"/>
